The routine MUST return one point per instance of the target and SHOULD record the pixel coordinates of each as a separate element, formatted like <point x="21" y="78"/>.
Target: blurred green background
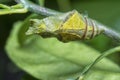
<point x="104" y="11"/>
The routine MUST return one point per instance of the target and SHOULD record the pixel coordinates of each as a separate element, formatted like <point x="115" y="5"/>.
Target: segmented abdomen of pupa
<point x="77" y="27"/>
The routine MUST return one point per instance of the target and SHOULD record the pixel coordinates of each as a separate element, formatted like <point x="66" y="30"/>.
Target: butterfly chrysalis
<point x="69" y="26"/>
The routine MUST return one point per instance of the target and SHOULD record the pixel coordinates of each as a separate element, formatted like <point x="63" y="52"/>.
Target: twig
<point x="37" y="9"/>
<point x="12" y="9"/>
<point x="112" y="34"/>
<point x="4" y="6"/>
<point x="87" y="68"/>
<point x="109" y="32"/>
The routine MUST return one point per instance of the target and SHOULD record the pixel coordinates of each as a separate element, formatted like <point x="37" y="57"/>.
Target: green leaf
<point x="50" y="59"/>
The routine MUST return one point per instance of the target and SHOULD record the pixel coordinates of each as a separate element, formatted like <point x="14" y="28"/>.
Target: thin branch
<point x="11" y="11"/>
<point x="17" y="6"/>
<point x="4" y="6"/>
<point x="87" y="68"/>
<point x="112" y="34"/>
<point x="37" y="9"/>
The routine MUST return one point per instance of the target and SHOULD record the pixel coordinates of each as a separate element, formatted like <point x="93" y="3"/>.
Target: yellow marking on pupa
<point x="75" y="21"/>
<point x="41" y="27"/>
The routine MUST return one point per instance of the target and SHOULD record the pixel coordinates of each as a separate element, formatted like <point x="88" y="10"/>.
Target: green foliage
<point x="49" y="59"/>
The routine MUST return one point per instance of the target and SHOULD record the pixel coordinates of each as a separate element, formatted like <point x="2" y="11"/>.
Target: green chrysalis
<point x="66" y="27"/>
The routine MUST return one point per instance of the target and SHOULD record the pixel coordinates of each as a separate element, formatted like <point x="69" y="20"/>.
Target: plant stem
<point x="11" y="11"/>
<point x="112" y="34"/>
<point x="4" y="6"/>
<point x="87" y="68"/>
<point x="17" y="6"/>
<point x="38" y="9"/>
